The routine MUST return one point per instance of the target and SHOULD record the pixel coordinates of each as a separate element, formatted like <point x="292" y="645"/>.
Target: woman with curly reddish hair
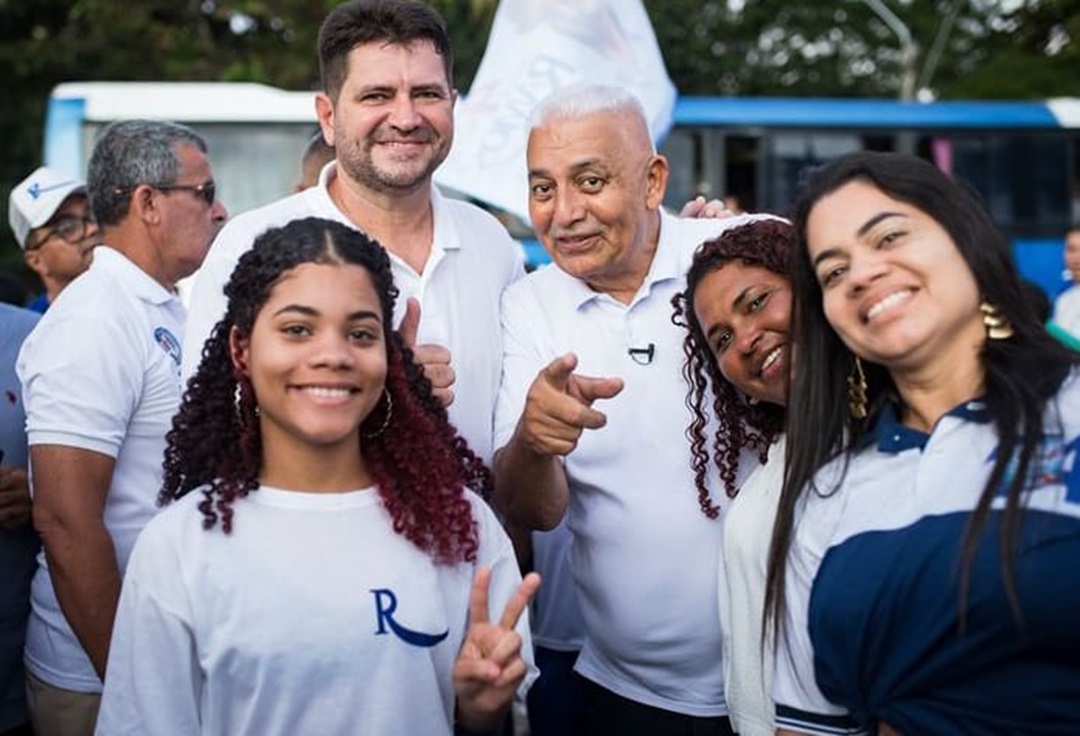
<point x="737" y="311"/>
<point x="323" y="567"/>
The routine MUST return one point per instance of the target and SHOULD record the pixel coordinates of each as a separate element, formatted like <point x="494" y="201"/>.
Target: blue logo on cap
<point x="35" y="190"/>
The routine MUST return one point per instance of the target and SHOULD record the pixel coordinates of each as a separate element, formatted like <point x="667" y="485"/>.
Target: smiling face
<point x="745" y="314"/>
<point x="316" y="358"/>
<point x="895" y="286"/>
<point x="393" y="120"/>
<point x="594" y="190"/>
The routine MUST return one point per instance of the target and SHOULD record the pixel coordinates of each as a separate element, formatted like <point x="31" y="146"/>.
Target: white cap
<point x="37" y="198"/>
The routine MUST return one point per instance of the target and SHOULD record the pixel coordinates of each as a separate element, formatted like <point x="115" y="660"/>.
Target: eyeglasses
<point x="70" y="228"/>
<point x="206" y="191"/>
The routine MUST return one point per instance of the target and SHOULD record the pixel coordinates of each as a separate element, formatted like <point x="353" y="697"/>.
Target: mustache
<point x="422" y="134"/>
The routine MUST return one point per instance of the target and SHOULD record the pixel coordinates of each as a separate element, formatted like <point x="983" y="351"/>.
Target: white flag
<point x="537" y="46"/>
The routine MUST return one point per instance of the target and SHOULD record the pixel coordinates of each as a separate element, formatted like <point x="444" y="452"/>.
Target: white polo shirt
<point x="101" y="372"/>
<point x="873" y="632"/>
<point x="644" y="556"/>
<point x="472" y="259"/>
<point x="312" y="617"/>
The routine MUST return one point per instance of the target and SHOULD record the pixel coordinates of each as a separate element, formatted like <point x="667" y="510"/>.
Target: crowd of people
<point x="709" y="473"/>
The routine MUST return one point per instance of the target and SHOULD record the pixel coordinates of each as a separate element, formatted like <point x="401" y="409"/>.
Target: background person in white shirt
<point x="101" y="381"/>
<point x="324" y="567"/>
<point x="1067" y="304"/>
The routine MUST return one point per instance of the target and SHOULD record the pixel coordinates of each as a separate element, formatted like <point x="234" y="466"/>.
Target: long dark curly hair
<point x="417" y="459"/>
<point x="740" y="424"/>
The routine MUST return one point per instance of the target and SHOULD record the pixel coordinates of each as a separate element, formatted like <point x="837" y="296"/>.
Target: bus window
<point x="789" y="154"/>
<point x="681" y="150"/>
<point x="1024" y="179"/>
<point x="741" y="155"/>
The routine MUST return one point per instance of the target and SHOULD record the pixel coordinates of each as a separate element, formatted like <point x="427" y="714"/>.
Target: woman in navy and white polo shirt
<point x="923" y="568"/>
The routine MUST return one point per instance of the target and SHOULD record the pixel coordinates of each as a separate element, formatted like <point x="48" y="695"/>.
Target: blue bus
<point x="1023" y="157"/>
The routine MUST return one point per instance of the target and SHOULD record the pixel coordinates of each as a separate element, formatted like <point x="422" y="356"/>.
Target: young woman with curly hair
<point x="323" y="566"/>
<point x="737" y="311"/>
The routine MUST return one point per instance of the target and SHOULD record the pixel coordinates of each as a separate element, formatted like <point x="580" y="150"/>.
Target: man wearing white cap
<point x="50" y="215"/>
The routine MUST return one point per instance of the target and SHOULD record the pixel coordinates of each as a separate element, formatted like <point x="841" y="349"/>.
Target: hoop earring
<point x="244" y="401"/>
<point x="386" y="418"/>
<point x="856" y="390"/>
<point x="997" y="324"/>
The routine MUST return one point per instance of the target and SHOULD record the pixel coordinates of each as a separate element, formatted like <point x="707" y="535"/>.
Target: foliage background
<point x="965" y="49"/>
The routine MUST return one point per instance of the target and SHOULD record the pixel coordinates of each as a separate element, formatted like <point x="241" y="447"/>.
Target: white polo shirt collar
<point x="112" y="261"/>
<point x="445" y="236"/>
<point x="892" y="437"/>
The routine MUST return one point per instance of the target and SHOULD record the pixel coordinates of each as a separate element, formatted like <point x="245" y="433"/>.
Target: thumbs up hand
<point x="558" y="407"/>
<point x="434" y="359"/>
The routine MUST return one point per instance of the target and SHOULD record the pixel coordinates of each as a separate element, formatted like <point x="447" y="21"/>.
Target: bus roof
<point x="249" y="101"/>
<point x="875" y="113"/>
<point x="195" y="102"/>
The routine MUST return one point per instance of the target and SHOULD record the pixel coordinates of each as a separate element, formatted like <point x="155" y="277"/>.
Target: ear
<point x="656" y="176"/>
<point x="324" y="111"/>
<point x="35" y="262"/>
<point x="144" y="204"/>
<point x="239" y="352"/>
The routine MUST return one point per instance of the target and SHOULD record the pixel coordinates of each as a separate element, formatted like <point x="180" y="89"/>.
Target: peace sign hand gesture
<point x="489" y="666"/>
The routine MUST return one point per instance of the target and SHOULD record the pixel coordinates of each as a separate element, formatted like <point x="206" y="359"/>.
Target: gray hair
<point x="584" y="99"/>
<point x="133" y="152"/>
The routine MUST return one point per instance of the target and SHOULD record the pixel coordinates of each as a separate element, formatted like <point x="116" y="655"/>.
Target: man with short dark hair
<point x="387" y="108"/>
<point x="101" y="381"/>
<point x="50" y="216"/>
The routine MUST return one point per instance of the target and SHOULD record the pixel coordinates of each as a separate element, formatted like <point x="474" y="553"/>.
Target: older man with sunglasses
<point x="49" y="213"/>
<point x="101" y="381"/>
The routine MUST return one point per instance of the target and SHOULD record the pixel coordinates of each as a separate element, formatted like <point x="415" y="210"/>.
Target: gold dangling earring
<point x="386" y="418"/>
<point x="997" y="324"/>
<point x="856" y="390"/>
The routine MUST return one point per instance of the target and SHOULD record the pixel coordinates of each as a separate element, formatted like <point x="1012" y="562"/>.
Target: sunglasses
<point x="71" y="229"/>
<point x="206" y="191"/>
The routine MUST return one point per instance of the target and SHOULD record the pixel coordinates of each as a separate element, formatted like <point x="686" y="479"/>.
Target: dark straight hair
<point x="1021" y="374"/>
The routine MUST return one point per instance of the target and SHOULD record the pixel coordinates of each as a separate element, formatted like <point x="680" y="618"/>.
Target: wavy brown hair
<point x="740" y="424"/>
<point x="419" y="462"/>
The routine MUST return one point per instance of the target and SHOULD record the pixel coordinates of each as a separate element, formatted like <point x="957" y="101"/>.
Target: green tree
<point x="965" y="48"/>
